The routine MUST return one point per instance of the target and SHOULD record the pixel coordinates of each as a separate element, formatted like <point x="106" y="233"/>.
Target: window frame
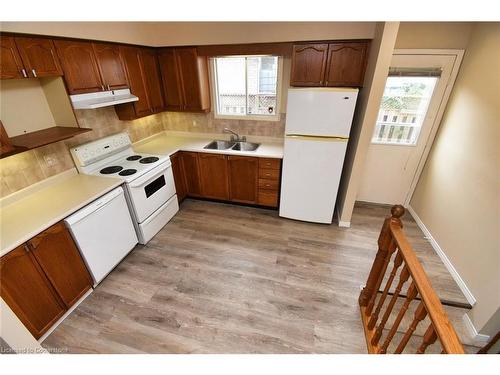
<point x="213" y="89"/>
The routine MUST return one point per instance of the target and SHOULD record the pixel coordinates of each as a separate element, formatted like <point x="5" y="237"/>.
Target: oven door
<point x="150" y="191"/>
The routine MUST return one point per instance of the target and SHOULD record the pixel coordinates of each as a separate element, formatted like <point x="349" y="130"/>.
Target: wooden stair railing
<point x="375" y="312"/>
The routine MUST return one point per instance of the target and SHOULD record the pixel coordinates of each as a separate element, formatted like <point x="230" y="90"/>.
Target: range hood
<point x="102" y="99"/>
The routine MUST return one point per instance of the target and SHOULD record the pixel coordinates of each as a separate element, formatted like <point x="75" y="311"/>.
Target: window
<point x="406" y="98"/>
<point x="246" y="86"/>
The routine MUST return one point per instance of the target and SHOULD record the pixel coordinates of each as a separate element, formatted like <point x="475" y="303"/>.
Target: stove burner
<point x="127" y="172"/>
<point x="134" y="157"/>
<point x="149" y="159"/>
<point x="111" y="170"/>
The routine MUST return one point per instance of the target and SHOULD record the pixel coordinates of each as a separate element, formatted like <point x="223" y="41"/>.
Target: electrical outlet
<point x="50" y="160"/>
<point x="195" y="124"/>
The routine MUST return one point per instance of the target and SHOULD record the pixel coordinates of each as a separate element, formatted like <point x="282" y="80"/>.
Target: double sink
<point x="232" y="145"/>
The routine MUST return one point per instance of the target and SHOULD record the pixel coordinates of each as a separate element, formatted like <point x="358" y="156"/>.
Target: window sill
<point x="273" y="118"/>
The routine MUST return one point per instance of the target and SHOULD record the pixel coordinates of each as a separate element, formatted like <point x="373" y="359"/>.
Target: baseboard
<point x="473" y="331"/>
<point x="344" y="224"/>
<point x="449" y="266"/>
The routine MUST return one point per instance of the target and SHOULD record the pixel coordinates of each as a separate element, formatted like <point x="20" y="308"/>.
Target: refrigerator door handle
<point x="325" y="138"/>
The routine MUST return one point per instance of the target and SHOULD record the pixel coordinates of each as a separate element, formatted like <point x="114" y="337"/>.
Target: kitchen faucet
<point x="235" y="137"/>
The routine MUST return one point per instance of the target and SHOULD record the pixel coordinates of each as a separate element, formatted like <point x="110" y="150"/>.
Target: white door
<point x="310" y="180"/>
<point x="410" y="111"/>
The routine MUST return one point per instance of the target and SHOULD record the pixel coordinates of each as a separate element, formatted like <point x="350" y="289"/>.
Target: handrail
<point x="393" y="245"/>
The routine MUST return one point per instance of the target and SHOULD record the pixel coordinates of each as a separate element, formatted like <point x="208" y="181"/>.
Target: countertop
<point x="46" y="203"/>
<point x="168" y="143"/>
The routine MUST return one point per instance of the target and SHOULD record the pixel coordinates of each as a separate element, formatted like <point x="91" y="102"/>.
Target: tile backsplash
<point x="21" y="170"/>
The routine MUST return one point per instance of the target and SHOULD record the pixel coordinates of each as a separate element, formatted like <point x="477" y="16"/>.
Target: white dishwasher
<point x="104" y="233"/>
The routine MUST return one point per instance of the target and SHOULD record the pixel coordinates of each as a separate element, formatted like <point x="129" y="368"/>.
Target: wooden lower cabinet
<point x="42" y="279"/>
<point x="27" y="290"/>
<point x="179" y="176"/>
<point x="191" y="169"/>
<point x="213" y="176"/>
<point x="57" y="254"/>
<point x="243" y="178"/>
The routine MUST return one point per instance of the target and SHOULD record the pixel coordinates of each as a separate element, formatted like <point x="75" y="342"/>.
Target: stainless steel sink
<point x="245" y="146"/>
<point x="219" y="145"/>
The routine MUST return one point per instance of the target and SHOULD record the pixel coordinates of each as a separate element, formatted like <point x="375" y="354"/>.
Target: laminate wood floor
<point x="221" y="278"/>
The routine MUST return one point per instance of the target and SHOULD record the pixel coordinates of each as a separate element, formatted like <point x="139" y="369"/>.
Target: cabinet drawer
<point x="268" y="184"/>
<point x="268" y="198"/>
<point x="266" y="163"/>
<point x="270" y="174"/>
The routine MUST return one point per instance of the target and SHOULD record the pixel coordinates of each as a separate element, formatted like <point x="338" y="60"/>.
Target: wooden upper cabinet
<point x="346" y="64"/>
<point x="185" y="79"/>
<point x="39" y="57"/>
<point x="135" y="74"/>
<point x="171" y="79"/>
<point x="153" y="80"/>
<point x="191" y="173"/>
<point x="57" y="254"/>
<point x="213" y="176"/>
<point x="334" y="64"/>
<point x="194" y="77"/>
<point x="11" y="65"/>
<point x="179" y="176"/>
<point x="243" y="178"/>
<point x="308" y="64"/>
<point x="28" y="292"/>
<point x="79" y="64"/>
<point x="110" y="64"/>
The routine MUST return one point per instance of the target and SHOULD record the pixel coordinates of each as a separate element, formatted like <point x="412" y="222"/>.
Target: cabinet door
<point x="308" y="64"/>
<point x="59" y="258"/>
<point x="346" y="64"/>
<point x="28" y="292"/>
<point x="213" y="176"/>
<point x="153" y="80"/>
<point x="110" y="63"/>
<point x="11" y="65"/>
<point x="194" y="78"/>
<point x="191" y="173"/>
<point x="179" y="178"/>
<point x="170" y="79"/>
<point x="133" y="67"/>
<point x="39" y="57"/>
<point x="243" y="177"/>
<point x="79" y="66"/>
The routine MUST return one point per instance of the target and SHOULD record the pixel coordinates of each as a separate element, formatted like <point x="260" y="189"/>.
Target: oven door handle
<point x="155" y="173"/>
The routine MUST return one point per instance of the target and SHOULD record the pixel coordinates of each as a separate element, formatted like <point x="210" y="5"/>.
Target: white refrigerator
<point x="318" y="122"/>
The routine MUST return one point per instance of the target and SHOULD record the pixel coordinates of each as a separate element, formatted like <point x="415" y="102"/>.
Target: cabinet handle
<point x="24" y="73"/>
<point x="26" y="248"/>
<point x="102" y="87"/>
<point x="108" y="88"/>
<point x="34" y="72"/>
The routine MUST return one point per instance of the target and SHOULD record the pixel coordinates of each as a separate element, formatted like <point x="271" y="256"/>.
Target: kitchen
<point x="147" y="165"/>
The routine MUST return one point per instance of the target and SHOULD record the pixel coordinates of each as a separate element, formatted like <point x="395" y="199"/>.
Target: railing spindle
<point x="403" y="277"/>
<point x="430" y="338"/>
<point x="419" y="315"/>
<point x="411" y="294"/>
<point x="398" y="260"/>
<point x="381" y="259"/>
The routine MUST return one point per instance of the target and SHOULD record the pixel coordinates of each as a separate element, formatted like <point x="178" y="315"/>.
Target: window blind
<point x="414" y="72"/>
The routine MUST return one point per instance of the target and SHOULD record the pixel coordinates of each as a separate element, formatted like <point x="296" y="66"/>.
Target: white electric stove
<point x="148" y="180"/>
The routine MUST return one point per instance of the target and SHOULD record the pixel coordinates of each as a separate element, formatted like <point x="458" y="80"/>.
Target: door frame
<point x="459" y="54"/>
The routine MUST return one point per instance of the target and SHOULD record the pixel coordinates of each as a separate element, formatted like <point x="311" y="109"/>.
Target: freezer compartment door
<point x="320" y="111"/>
<point x="310" y="180"/>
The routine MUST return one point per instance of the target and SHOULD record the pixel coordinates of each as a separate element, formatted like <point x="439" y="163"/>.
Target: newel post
<point x="383" y="254"/>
